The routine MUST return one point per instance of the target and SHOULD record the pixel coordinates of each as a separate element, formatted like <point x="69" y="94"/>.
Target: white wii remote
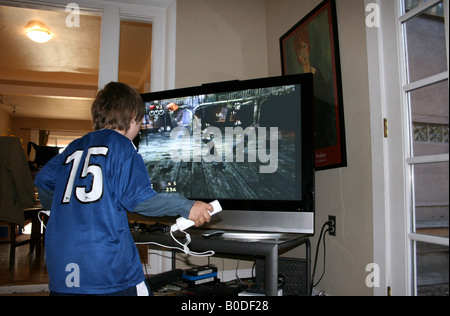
<point x="183" y="223"/>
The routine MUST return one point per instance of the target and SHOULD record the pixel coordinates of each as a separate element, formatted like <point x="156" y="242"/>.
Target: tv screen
<point x="248" y="144"/>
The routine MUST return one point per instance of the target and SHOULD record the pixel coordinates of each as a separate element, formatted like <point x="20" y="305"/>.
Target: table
<point x="267" y="245"/>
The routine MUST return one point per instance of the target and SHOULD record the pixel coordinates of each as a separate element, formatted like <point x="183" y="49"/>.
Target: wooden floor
<point x="29" y="274"/>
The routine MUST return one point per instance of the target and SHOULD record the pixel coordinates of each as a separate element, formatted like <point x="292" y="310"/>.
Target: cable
<point x="324" y="256"/>
<point x="185" y="248"/>
<point x="315" y="259"/>
<point x="322" y="233"/>
<point x="236" y="272"/>
<point x="40" y="219"/>
<point x="145" y="266"/>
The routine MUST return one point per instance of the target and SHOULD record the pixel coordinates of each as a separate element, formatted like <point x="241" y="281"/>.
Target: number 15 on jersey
<point x="81" y="193"/>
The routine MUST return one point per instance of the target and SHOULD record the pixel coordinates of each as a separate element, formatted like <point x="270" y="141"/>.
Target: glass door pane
<point x="430" y="119"/>
<point x="426" y="46"/>
<point x="432" y="269"/>
<point x="412" y="4"/>
<point x="431" y="199"/>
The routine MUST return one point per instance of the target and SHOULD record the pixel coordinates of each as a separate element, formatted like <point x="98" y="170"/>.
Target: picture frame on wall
<point x="312" y="46"/>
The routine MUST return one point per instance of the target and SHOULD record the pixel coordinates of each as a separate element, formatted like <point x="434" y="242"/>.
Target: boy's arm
<point x="174" y="205"/>
<point x="165" y="205"/>
<point x="46" y="198"/>
<point x="45" y="181"/>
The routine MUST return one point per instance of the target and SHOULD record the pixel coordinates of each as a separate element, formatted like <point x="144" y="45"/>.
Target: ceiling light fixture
<point x="38" y="31"/>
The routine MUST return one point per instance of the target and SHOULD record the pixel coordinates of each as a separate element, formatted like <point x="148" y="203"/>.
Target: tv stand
<point x="236" y="243"/>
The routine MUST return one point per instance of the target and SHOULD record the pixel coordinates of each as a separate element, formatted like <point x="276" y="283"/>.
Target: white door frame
<point x="391" y="171"/>
<point x="390" y="199"/>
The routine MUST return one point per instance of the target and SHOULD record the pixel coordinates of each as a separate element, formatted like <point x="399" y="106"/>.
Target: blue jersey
<point x="89" y="247"/>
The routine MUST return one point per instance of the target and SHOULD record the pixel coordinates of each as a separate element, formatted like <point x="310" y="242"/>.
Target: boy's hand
<point x="199" y="213"/>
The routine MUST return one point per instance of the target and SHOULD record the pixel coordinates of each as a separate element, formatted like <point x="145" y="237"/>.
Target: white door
<point x="408" y="66"/>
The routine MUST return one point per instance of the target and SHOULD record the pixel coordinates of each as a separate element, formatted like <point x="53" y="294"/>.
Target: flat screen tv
<point x="248" y="144"/>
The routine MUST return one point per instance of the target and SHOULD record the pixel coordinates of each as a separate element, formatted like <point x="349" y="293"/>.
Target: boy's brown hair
<point x="116" y="106"/>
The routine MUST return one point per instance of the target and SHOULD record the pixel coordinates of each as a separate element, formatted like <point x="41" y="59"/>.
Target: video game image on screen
<point x="238" y="145"/>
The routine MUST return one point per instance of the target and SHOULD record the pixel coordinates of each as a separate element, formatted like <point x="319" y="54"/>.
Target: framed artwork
<point x="312" y="46"/>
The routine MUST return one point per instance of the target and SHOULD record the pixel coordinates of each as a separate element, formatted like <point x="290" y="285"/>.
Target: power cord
<point x="185" y="248"/>
<point x="40" y="219"/>
<point x="322" y="234"/>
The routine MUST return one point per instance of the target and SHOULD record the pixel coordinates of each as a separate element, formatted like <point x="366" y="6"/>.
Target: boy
<point x="89" y="188"/>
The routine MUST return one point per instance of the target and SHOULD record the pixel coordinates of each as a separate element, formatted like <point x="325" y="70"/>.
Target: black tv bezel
<point x="307" y="203"/>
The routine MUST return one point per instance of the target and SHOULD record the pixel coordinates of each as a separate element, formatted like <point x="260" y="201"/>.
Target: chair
<point x="43" y="154"/>
<point x="16" y="189"/>
<point x="35" y="240"/>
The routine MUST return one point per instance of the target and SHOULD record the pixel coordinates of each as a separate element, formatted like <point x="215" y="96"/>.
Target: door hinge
<point x="385" y="122"/>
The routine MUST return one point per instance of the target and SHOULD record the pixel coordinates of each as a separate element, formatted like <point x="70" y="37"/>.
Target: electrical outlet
<point x="332" y="225"/>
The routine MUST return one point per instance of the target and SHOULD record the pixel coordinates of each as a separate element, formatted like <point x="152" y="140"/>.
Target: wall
<point x="219" y="41"/>
<point x="5" y="122"/>
<point x="344" y="192"/>
<point x="223" y="40"/>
